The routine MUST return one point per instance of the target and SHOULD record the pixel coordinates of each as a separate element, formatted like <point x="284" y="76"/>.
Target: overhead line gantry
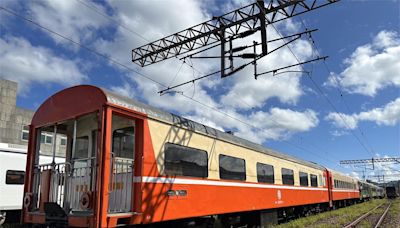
<point x="222" y="30"/>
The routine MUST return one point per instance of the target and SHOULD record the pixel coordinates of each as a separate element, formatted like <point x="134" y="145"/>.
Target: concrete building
<point x="14" y="122"/>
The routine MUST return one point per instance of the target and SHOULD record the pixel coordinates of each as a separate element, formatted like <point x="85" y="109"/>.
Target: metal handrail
<point x="112" y="172"/>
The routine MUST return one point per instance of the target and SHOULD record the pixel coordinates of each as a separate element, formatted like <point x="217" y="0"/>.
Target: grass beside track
<point x="393" y="217"/>
<point x="335" y="218"/>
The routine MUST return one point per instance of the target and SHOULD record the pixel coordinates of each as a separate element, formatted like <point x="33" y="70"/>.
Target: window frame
<point x="17" y="172"/>
<point x="62" y="138"/>
<point x="230" y="157"/>
<point x="25" y="131"/>
<point x="266" y="165"/>
<point x="45" y="136"/>
<point x="165" y="171"/>
<point x="311" y="180"/>
<point x="303" y="175"/>
<point x="120" y="149"/>
<point x="283" y="179"/>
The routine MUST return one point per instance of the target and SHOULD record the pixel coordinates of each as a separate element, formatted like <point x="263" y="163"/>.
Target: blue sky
<point x="287" y="112"/>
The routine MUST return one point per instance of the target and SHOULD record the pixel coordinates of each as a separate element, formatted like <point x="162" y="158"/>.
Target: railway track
<point x="366" y="215"/>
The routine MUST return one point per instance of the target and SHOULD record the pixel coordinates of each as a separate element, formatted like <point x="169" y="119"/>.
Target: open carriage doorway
<point x="123" y="140"/>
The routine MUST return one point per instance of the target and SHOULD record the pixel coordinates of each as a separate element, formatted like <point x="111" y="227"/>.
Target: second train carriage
<point x="369" y="191"/>
<point x="344" y="189"/>
<point x="130" y="163"/>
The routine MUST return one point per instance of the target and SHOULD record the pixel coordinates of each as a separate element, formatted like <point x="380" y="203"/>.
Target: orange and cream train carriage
<point x="129" y="163"/>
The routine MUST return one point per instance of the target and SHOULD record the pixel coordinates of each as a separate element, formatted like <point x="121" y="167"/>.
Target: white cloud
<point x="389" y="115"/>
<point x="281" y="123"/>
<point x="22" y="62"/>
<point x="166" y="18"/>
<point x="371" y="67"/>
<point x="71" y="18"/>
<point x="337" y="133"/>
<point x="342" y="120"/>
<point x="125" y="90"/>
<point x="354" y="174"/>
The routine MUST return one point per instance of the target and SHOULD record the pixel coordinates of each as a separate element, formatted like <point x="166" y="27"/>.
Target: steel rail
<point x="362" y="217"/>
<point x="378" y="224"/>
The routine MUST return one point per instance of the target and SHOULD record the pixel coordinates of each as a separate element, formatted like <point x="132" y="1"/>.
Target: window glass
<point x="231" y="168"/>
<point x="185" y="161"/>
<point x="123" y="137"/>
<point x="81" y="147"/>
<point x="15" y="177"/>
<point x="287" y="176"/>
<point x="25" y="133"/>
<point x="49" y="139"/>
<point x="303" y="179"/>
<point x="265" y="173"/>
<point x="63" y="141"/>
<point x="314" y="180"/>
<point x="124" y="142"/>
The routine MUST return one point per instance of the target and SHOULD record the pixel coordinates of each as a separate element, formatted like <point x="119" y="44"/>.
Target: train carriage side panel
<point x="172" y="197"/>
<point x="344" y="187"/>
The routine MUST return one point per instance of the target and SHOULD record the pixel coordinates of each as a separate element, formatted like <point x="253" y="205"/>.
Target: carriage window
<point x="314" y="180"/>
<point x="124" y="142"/>
<point x="185" y="161"/>
<point x="231" y="168"/>
<point x="265" y="173"/>
<point x="81" y="147"/>
<point x="123" y="137"/>
<point x="287" y="176"/>
<point x="15" y="177"/>
<point x="303" y="179"/>
<point x="321" y="180"/>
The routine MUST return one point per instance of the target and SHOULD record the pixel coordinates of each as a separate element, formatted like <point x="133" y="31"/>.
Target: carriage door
<point x="122" y="164"/>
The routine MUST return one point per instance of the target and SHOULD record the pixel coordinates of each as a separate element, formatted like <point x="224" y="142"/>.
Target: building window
<point x="231" y="168"/>
<point x="46" y="138"/>
<point x="303" y="179"/>
<point x="287" y="176"/>
<point x="15" y="177"/>
<point x="25" y="133"/>
<point x="265" y="173"/>
<point x="63" y="141"/>
<point x="314" y="180"/>
<point x="185" y="161"/>
<point x="49" y="139"/>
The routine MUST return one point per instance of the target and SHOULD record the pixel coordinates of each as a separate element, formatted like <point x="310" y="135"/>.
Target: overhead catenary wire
<point x="241" y="67"/>
<point x="80" y="45"/>
<point x="148" y="78"/>
<point x="319" y="89"/>
<point x="338" y="87"/>
<point x="121" y="25"/>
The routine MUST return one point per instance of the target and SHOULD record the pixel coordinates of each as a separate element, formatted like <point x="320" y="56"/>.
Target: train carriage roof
<point x="76" y="100"/>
